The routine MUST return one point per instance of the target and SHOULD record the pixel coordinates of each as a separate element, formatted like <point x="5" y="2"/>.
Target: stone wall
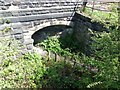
<point x="23" y="31"/>
<point x="83" y="26"/>
<point x="23" y="18"/>
<point x="23" y="4"/>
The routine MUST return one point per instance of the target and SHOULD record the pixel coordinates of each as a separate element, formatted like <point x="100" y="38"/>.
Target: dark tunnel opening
<point x="50" y="31"/>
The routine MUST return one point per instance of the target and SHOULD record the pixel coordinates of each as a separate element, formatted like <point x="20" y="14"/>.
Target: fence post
<point x="48" y="55"/>
<point x="74" y="62"/>
<point x="55" y="56"/>
<point x="64" y="66"/>
<point x="93" y="5"/>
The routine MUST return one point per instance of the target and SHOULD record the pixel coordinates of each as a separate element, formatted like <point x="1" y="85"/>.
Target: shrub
<point x="24" y="71"/>
<point x="106" y="59"/>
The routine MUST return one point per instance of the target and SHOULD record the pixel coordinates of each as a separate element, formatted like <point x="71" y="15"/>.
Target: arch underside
<point x="48" y="23"/>
<point x="56" y="28"/>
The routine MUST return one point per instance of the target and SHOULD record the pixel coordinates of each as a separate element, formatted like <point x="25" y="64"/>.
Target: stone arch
<point x="45" y="25"/>
<point x="49" y="23"/>
<point x="29" y="41"/>
<point x="51" y="31"/>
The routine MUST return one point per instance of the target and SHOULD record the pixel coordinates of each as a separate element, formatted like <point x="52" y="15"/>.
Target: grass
<point x="109" y="19"/>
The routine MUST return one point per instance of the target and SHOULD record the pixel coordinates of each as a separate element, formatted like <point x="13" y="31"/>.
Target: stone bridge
<point x="22" y="18"/>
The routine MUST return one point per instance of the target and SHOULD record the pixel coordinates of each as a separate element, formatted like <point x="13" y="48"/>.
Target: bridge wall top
<point x="8" y="1"/>
<point x="29" y="10"/>
<point x="38" y="17"/>
<point x="23" y="4"/>
<point x="58" y="9"/>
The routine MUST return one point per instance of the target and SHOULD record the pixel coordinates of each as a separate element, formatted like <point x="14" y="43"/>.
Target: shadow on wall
<point x="56" y="30"/>
<point x="83" y="31"/>
<point x="87" y="22"/>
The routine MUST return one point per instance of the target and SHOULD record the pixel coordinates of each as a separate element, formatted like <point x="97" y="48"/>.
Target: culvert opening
<point x="51" y="31"/>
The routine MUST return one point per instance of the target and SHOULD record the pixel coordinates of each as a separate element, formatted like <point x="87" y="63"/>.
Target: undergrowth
<point x="99" y="70"/>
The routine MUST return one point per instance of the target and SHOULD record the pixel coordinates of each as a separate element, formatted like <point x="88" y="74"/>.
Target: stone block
<point x="29" y="47"/>
<point x="12" y="19"/>
<point x="1" y="27"/>
<point x="18" y="36"/>
<point x="28" y="41"/>
<point x="26" y="23"/>
<point x="16" y="25"/>
<point x="36" y="22"/>
<point x="21" y="40"/>
<point x="1" y="21"/>
<point x="25" y="31"/>
<point x="18" y="31"/>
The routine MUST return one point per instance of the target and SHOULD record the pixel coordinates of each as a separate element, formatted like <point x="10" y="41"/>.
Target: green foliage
<point x="64" y="75"/>
<point x="100" y="70"/>
<point x="94" y="84"/>
<point x="104" y="61"/>
<point x="106" y="53"/>
<point x="7" y="21"/>
<point x="8" y="48"/>
<point x="106" y="57"/>
<point x="19" y="72"/>
<point x="69" y="43"/>
<point x="6" y="30"/>
<point x="53" y="44"/>
<point x="63" y="46"/>
<point x="109" y="19"/>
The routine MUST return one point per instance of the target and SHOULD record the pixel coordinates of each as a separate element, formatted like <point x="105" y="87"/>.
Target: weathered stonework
<point x="26" y="17"/>
<point x="24" y="21"/>
<point x="82" y="31"/>
<point x="81" y="25"/>
<point x="23" y="31"/>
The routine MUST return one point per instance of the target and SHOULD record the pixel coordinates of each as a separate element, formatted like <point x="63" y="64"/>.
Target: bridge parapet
<point x="35" y="11"/>
<point x="25" y="21"/>
<point x="28" y="10"/>
<point x="23" y="4"/>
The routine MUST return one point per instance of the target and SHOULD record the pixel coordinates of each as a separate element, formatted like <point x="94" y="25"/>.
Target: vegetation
<point x="16" y="70"/>
<point x="108" y="18"/>
<point x="73" y="70"/>
<point x="101" y="69"/>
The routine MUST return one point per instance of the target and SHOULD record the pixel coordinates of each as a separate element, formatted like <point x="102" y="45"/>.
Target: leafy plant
<point x="109" y="19"/>
<point x="100" y="70"/>
<point x="24" y="71"/>
<point x="54" y="45"/>
<point x="107" y="53"/>
<point x="6" y="30"/>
